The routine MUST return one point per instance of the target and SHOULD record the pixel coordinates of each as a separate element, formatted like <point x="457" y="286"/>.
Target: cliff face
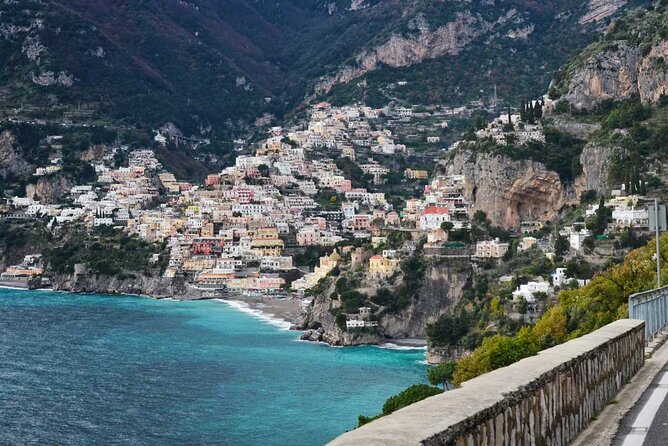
<point x="441" y="288"/>
<point x="510" y="191"/>
<point x="11" y="159"/>
<point x="595" y="160"/>
<point x="423" y="43"/>
<point x="49" y="189"/>
<point x="629" y="61"/>
<point x="600" y="9"/>
<point x="83" y="281"/>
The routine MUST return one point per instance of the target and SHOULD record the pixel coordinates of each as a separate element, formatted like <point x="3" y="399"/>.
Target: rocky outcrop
<point x="438" y="354"/>
<point x="85" y="281"/>
<point x="320" y="325"/>
<point x="600" y="9"/>
<point x="49" y="189"/>
<point x="313" y="335"/>
<point x="421" y="44"/>
<point x="595" y="160"/>
<point x="510" y="191"/>
<point x="620" y="72"/>
<point x="653" y="73"/>
<point x="11" y="159"/>
<point x="442" y="287"/>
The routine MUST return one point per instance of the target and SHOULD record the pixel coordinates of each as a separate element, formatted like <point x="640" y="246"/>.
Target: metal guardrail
<point x="651" y="307"/>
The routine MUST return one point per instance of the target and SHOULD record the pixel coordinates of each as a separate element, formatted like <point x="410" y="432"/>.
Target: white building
<point x="528" y="290"/>
<point x="433" y="217"/>
<point x="559" y="278"/>
<point x="576" y="238"/>
<point x="625" y="217"/>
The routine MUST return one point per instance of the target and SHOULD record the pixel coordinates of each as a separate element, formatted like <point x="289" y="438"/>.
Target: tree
<point x="538" y="110"/>
<point x="442" y="374"/>
<point x="480" y="216"/>
<point x="447" y="226"/>
<point x="448" y="329"/>
<point x="413" y="394"/>
<point x="601" y="217"/>
<point x="561" y="245"/>
<point x="496" y="352"/>
<point x="589" y="243"/>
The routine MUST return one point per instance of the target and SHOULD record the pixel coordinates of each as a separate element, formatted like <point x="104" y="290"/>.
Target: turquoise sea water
<point x="95" y="369"/>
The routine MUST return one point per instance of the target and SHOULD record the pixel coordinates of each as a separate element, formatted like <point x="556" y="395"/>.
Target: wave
<point x="7" y="287"/>
<point x="269" y="318"/>
<point x="323" y="343"/>
<point x="391" y="346"/>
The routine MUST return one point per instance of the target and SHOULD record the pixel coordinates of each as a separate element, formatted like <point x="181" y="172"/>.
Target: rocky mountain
<point x="606" y="124"/>
<point x="218" y="65"/>
<point x="629" y="61"/>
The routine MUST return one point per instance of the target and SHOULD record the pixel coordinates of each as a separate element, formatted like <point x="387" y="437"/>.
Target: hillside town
<point x="239" y="231"/>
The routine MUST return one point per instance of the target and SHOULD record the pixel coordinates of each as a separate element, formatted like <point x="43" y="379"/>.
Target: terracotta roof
<point x="435" y="210"/>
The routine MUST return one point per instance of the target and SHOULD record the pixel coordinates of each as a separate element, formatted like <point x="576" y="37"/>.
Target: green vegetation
<point x="311" y="256"/>
<point x="578" y="312"/>
<point x="560" y="152"/>
<point x="106" y="252"/>
<point x="414" y="269"/>
<point x="495" y="352"/>
<point x="640" y="28"/>
<point x="353" y="172"/>
<point x="442" y="374"/>
<point x="448" y="329"/>
<point x="413" y="394"/>
<point x="549" y="46"/>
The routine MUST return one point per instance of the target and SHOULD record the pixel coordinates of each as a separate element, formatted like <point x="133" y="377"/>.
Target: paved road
<point x="647" y="423"/>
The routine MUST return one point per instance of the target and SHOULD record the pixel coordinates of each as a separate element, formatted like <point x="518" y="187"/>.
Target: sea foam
<point x="258" y="314"/>
<point x="391" y="346"/>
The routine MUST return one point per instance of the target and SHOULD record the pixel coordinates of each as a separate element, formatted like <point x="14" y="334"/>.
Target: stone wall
<point x="543" y="400"/>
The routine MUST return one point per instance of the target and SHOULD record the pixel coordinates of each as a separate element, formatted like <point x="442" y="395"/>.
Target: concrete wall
<point x="543" y="400"/>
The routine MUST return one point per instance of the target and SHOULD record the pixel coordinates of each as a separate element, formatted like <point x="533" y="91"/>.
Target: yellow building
<point x="199" y="263"/>
<point x="416" y="174"/>
<point x="268" y="248"/>
<point x="381" y="267"/>
<point x="192" y="210"/>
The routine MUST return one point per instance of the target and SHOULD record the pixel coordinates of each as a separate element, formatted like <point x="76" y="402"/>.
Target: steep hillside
<point x="459" y="51"/>
<point x="605" y="126"/>
<point x="220" y="64"/>
<point x="630" y="60"/>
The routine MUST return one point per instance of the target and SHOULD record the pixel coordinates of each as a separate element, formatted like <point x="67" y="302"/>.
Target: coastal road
<point x="647" y="423"/>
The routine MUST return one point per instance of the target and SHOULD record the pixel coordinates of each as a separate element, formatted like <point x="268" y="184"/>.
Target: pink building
<point x="308" y="236"/>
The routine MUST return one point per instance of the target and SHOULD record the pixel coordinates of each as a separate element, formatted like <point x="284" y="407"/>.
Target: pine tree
<point x="539" y="110"/>
<point x="601" y="218"/>
<point x="532" y="120"/>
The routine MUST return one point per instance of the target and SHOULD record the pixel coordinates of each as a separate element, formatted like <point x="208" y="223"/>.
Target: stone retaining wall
<point x="542" y="400"/>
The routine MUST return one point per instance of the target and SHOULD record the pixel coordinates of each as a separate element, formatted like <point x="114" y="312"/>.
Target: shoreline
<point x="281" y="313"/>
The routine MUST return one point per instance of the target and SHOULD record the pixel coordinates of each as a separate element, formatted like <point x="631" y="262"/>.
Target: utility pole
<point x="656" y="231"/>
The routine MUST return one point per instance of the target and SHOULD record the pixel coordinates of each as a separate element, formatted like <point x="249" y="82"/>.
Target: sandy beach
<point x="283" y="312"/>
